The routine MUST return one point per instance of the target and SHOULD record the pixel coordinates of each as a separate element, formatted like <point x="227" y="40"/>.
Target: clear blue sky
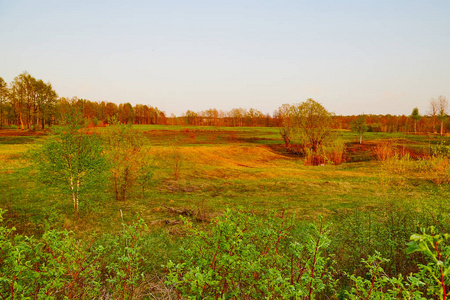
<point x="352" y="56"/>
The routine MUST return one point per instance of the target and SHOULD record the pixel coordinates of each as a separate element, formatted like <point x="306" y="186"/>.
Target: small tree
<point x="359" y="126"/>
<point x="442" y="111"/>
<point x="312" y="124"/>
<point x="3" y="98"/>
<point x="415" y="116"/>
<point x="126" y="156"/>
<point x="306" y="126"/>
<point x="286" y="128"/>
<point x="71" y="160"/>
<point x="433" y="112"/>
<point x="146" y="175"/>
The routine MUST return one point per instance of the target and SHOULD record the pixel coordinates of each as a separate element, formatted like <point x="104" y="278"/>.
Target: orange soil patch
<point x="18" y="132"/>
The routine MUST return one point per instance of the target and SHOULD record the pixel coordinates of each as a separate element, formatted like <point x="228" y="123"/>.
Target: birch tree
<point x="433" y="112"/>
<point x="442" y="111"/>
<point x="359" y="126"/>
<point x="72" y="161"/>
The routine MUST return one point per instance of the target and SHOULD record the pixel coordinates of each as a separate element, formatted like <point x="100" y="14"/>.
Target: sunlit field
<point x="224" y="167"/>
<point x="386" y="189"/>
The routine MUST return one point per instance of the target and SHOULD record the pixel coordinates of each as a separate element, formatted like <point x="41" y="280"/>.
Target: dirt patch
<point x="18" y="132"/>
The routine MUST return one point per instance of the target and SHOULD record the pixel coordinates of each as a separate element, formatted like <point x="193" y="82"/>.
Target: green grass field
<point x="199" y="172"/>
<point x="219" y="168"/>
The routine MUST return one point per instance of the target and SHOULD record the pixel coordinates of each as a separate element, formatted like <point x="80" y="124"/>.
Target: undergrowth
<point x="239" y="255"/>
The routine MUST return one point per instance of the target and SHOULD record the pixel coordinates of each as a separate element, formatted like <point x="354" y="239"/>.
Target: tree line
<point x="30" y="103"/>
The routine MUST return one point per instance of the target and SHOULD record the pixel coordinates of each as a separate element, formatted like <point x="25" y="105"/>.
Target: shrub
<point x="435" y="168"/>
<point x="51" y="267"/>
<point x="313" y="158"/>
<point x="246" y="257"/>
<point x="436" y="247"/>
<point x="377" y="285"/>
<point x="384" y="151"/>
<point x="433" y="280"/>
<point x="439" y="169"/>
<point x="334" y="152"/>
<point x="58" y="266"/>
<point x="441" y="149"/>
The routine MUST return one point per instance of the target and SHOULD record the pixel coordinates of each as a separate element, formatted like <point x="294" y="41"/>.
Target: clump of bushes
<point x="238" y="256"/>
<point x="435" y="168"/>
<point x="242" y="256"/>
<point x="59" y="266"/>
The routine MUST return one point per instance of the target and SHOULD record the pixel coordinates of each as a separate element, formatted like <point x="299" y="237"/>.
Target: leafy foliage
<point x="244" y="256"/>
<point x="435" y="246"/>
<point x="58" y="266"/>
<point x="71" y="160"/>
<point x="306" y="127"/>
<point x="127" y="158"/>
<point x="359" y="126"/>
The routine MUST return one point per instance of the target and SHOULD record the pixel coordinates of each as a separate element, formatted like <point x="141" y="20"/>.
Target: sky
<point x="373" y="57"/>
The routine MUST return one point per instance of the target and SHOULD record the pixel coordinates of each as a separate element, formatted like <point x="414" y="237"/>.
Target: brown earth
<point x="18" y="132"/>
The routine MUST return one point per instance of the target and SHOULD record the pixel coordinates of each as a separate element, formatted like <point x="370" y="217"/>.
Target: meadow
<point x="199" y="172"/>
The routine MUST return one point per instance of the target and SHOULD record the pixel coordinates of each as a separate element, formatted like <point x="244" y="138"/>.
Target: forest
<point x="29" y="103"/>
<point x="107" y="201"/>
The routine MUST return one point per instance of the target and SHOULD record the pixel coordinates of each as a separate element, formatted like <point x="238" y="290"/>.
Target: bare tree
<point x="286" y="129"/>
<point x="433" y="112"/>
<point x="442" y="111"/>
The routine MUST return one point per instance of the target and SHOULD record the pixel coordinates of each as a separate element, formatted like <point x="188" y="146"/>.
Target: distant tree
<point x="72" y="160"/>
<point x="190" y="117"/>
<point x="311" y="123"/>
<point x="111" y="110"/>
<point x="305" y="128"/>
<point x="433" y="112"/>
<point x="283" y="113"/>
<point x="20" y="97"/>
<point x="32" y="100"/>
<point x="253" y="116"/>
<point x="442" y="111"/>
<point x="3" y="99"/>
<point x="45" y="103"/>
<point x="359" y="126"/>
<point x="415" y="116"/>
<point x="237" y="115"/>
<point x="212" y="115"/>
<point x="126" y="113"/>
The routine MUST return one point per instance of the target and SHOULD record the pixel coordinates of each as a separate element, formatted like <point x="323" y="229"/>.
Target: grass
<point x="371" y="207"/>
<point x="219" y="168"/>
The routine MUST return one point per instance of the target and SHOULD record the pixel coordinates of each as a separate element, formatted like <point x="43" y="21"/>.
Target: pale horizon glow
<point x="373" y="57"/>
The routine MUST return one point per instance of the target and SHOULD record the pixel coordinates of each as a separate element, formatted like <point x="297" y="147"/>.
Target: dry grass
<point x="434" y="168"/>
<point x="384" y="150"/>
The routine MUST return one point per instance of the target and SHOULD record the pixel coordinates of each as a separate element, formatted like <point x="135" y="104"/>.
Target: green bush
<point x="246" y="257"/>
<point x="58" y="266"/>
<point x="239" y="256"/>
